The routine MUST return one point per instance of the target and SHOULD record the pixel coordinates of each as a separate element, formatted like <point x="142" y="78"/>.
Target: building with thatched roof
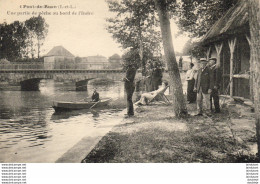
<point x="59" y="58"/>
<point x="228" y="40"/>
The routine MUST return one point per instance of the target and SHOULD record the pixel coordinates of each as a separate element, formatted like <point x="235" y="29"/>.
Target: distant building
<point x="94" y="62"/>
<point x="115" y="61"/>
<point x="59" y="58"/>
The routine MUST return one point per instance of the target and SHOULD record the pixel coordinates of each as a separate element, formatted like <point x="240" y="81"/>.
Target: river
<point x="30" y="131"/>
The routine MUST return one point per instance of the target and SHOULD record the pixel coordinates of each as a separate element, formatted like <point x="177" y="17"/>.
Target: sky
<point x="83" y="35"/>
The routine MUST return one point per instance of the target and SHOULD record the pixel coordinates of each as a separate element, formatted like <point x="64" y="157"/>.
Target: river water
<point x="30" y="131"/>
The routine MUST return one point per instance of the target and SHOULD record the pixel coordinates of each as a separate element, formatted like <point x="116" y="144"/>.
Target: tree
<point x="178" y="98"/>
<point x="196" y="17"/>
<point x="38" y="29"/>
<point x="254" y="23"/>
<point x="134" y="27"/>
<point x="193" y="49"/>
<point x="12" y="40"/>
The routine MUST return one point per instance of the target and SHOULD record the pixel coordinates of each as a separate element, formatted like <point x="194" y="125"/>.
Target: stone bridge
<point x="30" y="75"/>
<point x="29" y="79"/>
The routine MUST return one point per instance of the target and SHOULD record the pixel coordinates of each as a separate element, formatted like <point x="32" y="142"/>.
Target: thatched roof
<point x="234" y="21"/>
<point x="59" y="51"/>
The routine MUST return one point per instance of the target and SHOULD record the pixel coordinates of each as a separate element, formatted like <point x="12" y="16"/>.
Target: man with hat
<point x="203" y="86"/>
<point x="130" y="88"/>
<point x="216" y="80"/>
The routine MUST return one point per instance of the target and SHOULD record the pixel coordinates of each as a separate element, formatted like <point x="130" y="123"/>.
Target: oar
<point x="94" y="104"/>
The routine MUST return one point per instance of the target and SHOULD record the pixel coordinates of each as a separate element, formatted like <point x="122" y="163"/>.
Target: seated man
<point x="95" y="96"/>
<point x="146" y="97"/>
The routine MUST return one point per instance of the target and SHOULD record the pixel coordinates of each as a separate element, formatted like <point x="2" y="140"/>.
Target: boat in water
<point x="68" y="106"/>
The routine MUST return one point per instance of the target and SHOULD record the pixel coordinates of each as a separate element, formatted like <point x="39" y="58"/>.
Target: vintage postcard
<point x="127" y="81"/>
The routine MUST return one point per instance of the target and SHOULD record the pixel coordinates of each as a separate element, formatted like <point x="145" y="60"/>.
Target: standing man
<point x="203" y="86"/>
<point x="180" y="63"/>
<point x="130" y="88"/>
<point x="216" y="80"/>
<point x="191" y="95"/>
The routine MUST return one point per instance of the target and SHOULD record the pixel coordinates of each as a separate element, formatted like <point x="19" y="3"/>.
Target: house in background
<point x="94" y="62"/>
<point x="228" y="40"/>
<point x="59" y="58"/>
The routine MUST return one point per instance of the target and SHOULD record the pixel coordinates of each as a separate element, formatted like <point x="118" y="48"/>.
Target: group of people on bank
<point x="203" y="86"/>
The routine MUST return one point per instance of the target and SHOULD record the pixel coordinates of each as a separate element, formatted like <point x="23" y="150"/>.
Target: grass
<point x="155" y="136"/>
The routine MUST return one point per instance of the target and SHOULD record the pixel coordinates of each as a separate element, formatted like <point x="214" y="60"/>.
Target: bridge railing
<point x="22" y="66"/>
<point x="59" y="66"/>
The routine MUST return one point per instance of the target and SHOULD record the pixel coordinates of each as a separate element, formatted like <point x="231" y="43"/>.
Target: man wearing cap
<point x="203" y="86"/>
<point x="130" y="88"/>
<point x="216" y="80"/>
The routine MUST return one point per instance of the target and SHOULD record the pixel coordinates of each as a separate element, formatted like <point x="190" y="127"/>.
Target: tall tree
<point x="254" y="23"/>
<point x="134" y="27"/>
<point x="178" y="98"/>
<point x="38" y="29"/>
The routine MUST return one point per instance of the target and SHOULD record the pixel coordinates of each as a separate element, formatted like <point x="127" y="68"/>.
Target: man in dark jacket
<point x="130" y="88"/>
<point x="203" y="86"/>
<point x="216" y="81"/>
<point x="95" y="96"/>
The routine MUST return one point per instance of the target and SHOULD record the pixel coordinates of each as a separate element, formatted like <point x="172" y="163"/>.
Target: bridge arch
<point x="30" y="84"/>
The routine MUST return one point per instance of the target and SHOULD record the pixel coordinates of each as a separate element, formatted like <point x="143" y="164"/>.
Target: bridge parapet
<point x="42" y="66"/>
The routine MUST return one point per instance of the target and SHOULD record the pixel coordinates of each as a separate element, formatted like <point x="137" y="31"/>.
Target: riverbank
<point x="154" y="135"/>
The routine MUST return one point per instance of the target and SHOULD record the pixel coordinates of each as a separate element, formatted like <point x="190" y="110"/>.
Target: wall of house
<point x="59" y="62"/>
<point x="49" y="63"/>
<point x="241" y="65"/>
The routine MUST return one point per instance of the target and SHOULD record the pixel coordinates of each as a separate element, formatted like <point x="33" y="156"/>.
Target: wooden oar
<point x="94" y="104"/>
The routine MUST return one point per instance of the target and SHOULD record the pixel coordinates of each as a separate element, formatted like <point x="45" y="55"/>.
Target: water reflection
<point x="30" y="131"/>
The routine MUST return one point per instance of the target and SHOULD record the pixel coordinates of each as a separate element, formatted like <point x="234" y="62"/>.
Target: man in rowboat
<point x="95" y="96"/>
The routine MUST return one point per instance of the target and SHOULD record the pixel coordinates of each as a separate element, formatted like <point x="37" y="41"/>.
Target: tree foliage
<point x="12" y="40"/>
<point x="37" y="29"/>
<point x="192" y="48"/>
<point x="19" y="39"/>
<point x="197" y="16"/>
<point x="135" y="27"/>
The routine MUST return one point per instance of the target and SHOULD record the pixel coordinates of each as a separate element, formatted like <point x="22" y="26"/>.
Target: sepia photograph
<point x="129" y="81"/>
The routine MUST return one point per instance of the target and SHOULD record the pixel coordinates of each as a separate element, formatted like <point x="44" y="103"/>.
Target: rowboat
<point x="67" y="106"/>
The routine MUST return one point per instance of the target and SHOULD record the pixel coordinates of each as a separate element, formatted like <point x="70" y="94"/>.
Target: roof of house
<point x="59" y="51"/>
<point x="232" y="22"/>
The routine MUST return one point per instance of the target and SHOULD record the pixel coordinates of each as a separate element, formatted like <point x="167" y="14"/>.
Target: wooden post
<point x="208" y="53"/>
<point x="251" y="68"/>
<point x="254" y="25"/>
<point x="232" y="44"/>
<point x="218" y="49"/>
